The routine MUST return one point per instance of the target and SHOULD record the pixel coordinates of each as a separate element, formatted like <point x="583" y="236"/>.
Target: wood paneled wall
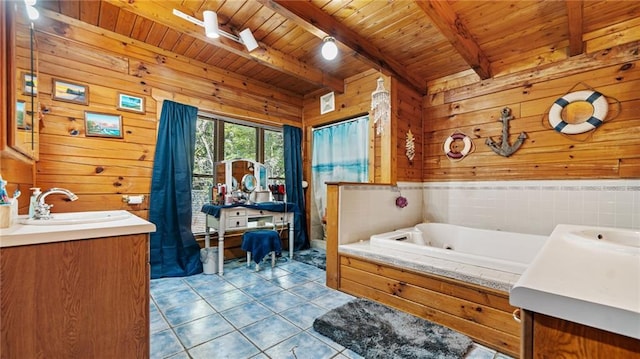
<point x="407" y="115"/>
<point x="406" y="110"/>
<point x="101" y="170"/>
<point x="611" y="151"/>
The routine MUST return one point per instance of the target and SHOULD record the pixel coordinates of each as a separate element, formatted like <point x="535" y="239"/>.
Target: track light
<point x="248" y="40"/>
<point x="211" y="29"/>
<point x="211" y="24"/>
<point x="32" y="12"/>
<point x="329" y="48"/>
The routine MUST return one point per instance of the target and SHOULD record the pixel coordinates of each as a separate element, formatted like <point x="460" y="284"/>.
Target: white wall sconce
<point x="212" y="31"/>
<point x="329" y="48"/>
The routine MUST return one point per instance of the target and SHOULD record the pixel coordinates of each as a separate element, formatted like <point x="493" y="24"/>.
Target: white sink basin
<point x="78" y="218"/>
<point x="624" y="240"/>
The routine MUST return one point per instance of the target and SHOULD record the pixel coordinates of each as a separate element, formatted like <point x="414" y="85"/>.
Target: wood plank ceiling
<point x="416" y="41"/>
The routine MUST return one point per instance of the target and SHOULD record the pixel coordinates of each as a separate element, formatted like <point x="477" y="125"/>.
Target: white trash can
<point x="209" y="259"/>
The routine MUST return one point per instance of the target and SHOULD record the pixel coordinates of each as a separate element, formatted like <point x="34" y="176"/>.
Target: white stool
<point x="273" y="260"/>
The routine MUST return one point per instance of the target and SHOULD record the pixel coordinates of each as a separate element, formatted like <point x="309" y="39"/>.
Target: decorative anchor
<point x="504" y="149"/>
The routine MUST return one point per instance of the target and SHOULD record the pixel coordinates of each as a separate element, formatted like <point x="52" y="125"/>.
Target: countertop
<point x="21" y="234"/>
<point x="584" y="281"/>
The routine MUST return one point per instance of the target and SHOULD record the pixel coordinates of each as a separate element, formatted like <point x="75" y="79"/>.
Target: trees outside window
<point x="220" y="139"/>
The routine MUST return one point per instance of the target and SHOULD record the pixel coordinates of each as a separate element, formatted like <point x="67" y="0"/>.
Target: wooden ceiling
<point x="416" y="41"/>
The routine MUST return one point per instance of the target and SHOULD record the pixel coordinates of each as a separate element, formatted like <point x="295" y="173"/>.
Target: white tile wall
<point x="367" y="210"/>
<point x="534" y="207"/>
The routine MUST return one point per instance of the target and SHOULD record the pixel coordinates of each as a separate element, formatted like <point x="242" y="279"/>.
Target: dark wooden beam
<point x="312" y="19"/>
<point x="574" y="16"/>
<point x="450" y="25"/>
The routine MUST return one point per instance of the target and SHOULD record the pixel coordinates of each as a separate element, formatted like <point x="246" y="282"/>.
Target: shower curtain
<point x="174" y="251"/>
<point x="340" y="152"/>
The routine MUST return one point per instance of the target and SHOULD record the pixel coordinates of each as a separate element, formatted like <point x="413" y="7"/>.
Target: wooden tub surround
<point x="482" y="313"/>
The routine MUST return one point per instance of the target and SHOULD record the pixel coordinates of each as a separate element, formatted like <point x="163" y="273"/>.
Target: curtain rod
<point x="339" y="122"/>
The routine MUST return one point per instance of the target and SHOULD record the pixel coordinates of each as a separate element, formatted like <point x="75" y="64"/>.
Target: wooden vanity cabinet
<point x="76" y="299"/>
<point x="550" y="337"/>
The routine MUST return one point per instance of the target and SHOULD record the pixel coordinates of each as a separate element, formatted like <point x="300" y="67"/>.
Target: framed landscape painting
<point x="20" y="114"/>
<point x="70" y="92"/>
<point x="130" y="103"/>
<point x="29" y="83"/>
<point x="103" y="124"/>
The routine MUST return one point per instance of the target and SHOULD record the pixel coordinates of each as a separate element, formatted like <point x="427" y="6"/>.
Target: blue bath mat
<point x="313" y="256"/>
<point x="377" y="331"/>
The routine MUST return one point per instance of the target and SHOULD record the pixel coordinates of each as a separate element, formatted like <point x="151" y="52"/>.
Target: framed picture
<point x="327" y="103"/>
<point x="70" y="92"/>
<point x="21" y="112"/>
<point x="130" y="103"/>
<point x="29" y="83"/>
<point x="103" y="124"/>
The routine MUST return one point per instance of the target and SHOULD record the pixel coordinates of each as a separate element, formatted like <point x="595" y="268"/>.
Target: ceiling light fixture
<point x="32" y="12"/>
<point x="211" y="29"/>
<point x="211" y="24"/>
<point x="248" y="40"/>
<point x="329" y="48"/>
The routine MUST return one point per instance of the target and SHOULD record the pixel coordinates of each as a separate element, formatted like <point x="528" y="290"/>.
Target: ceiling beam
<point x="450" y="25"/>
<point x="574" y="16"/>
<point x="312" y="19"/>
<point x="162" y="13"/>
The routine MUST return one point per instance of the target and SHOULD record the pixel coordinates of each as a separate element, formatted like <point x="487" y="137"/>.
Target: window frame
<point x="218" y="146"/>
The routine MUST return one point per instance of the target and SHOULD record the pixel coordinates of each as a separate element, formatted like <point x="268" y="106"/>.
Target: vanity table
<point x="246" y="217"/>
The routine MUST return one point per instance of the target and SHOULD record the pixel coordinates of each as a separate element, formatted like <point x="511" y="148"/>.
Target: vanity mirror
<point x="20" y="67"/>
<point x="242" y="176"/>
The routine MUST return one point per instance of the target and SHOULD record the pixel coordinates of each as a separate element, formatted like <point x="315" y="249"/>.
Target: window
<point x="274" y="154"/>
<point x="220" y="138"/>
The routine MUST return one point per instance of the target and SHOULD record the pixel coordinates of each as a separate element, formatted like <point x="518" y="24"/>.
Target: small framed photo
<point x="29" y="83"/>
<point x="21" y="113"/>
<point x="103" y="124"/>
<point x="70" y="92"/>
<point x="130" y="103"/>
<point x="327" y="103"/>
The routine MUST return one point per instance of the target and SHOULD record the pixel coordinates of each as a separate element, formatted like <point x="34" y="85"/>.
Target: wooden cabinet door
<point x="76" y="299"/>
<point x="558" y="338"/>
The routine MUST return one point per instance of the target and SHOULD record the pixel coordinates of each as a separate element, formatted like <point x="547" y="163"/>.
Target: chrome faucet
<point x="43" y="210"/>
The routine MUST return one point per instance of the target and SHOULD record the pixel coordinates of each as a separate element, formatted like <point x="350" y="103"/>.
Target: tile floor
<point x="248" y="314"/>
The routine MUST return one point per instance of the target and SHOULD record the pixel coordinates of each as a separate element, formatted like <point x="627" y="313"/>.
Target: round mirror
<point x="249" y="183"/>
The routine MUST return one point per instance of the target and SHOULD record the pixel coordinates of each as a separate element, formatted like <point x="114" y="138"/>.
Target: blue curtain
<point x="174" y="250"/>
<point x="293" y="181"/>
<point x="340" y="153"/>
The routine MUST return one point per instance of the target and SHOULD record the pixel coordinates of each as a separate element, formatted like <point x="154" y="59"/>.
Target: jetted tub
<point x="504" y="251"/>
<point x="455" y="276"/>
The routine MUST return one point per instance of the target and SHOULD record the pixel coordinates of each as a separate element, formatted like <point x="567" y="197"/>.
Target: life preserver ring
<point x="595" y="98"/>
<point x="468" y="145"/>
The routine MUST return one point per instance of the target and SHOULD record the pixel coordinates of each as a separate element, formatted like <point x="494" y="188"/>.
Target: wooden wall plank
<point x="100" y="170"/>
<point x="545" y="154"/>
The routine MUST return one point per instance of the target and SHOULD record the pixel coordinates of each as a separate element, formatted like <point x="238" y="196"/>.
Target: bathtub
<point x="503" y="251"/>
<point x="452" y="275"/>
